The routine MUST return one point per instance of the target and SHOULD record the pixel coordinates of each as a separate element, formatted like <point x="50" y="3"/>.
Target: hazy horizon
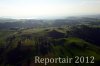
<point x="48" y="8"/>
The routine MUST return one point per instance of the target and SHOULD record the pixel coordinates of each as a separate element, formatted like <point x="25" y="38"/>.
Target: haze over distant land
<point x="48" y="8"/>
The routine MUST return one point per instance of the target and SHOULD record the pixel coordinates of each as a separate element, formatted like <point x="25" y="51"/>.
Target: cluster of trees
<point x="87" y="32"/>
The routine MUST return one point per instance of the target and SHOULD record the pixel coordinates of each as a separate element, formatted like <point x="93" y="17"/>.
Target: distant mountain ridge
<point x="30" y="23"/>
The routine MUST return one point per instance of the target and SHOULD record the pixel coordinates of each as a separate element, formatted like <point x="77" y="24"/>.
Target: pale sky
<point x="48" y="8"/>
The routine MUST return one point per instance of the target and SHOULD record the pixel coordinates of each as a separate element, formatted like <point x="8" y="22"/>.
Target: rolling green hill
<point x="20" y="47"/>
